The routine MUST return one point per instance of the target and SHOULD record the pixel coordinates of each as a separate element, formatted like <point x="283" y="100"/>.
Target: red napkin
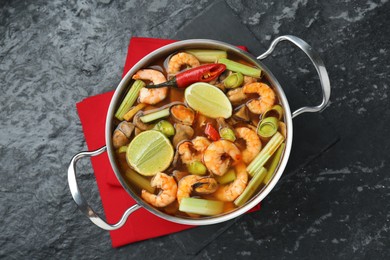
<point x="115" y="200"/>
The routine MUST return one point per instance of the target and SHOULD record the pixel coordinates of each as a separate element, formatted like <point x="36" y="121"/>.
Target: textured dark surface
<point x="55" y="53"/>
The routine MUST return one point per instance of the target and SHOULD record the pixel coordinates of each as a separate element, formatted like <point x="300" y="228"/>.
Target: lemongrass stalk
<point x="274" y="163"/>
<point x="207" y="55"/>
<point x="227" y="177"/>
<point x="201" y="206"/>
<point x="129" y="99"/>
<point x="265" y="154"/>
<point x="239" y="67"/>
<point x="268" y="127"/>
<point x="252" y="187"/>
<point x="139" y="181"/>
<point x="129" y="115"/>
<point x="155" y="115"/>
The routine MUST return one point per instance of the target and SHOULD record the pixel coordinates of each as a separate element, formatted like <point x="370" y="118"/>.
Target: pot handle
<point x="318" y="64"/>
<point x="83" y="204"/>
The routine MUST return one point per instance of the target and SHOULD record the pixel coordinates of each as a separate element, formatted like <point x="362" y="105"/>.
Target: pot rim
<point x="199" y="43"/>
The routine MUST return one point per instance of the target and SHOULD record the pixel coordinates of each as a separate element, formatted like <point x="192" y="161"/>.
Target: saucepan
<point x="163" y="52"/>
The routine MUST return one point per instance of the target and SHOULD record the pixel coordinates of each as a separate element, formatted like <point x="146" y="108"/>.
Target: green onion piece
<point x="238" y="67"/>
<point x="201" y="206"/>
<point x="139" y="181"/>
<point x="122" y="149"/>
<point x="197" y="168"/>
<point x="165" y="127"/>
<point x="207" y="55"/>
<point x="155" y="115"/>
<point x="268" y="150"/>
<point x="227" y="177"/>
<point x="129" y="99"/>
<point x="274" y="163"/>
<point x="268" y="127"/>
<point x="234" y="80"/>
<point x="276" y="111"/>
<point x="227" y="134"/>
<point x="252" y="187"/>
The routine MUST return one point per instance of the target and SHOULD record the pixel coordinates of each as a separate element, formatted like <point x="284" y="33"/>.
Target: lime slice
<point x="149" y="152"/>
<point x="208" y="100"/>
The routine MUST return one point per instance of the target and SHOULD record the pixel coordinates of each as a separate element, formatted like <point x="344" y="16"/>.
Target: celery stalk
<point x="252" y="187"/>
<point x="265" y="154"/>
<point x="227" y="177"/>
<point x="274" y="163"/>
<point x="129" y="99"/>
<point x="155" y="115"/>
<point x="238" y="67"/>
<point x="139" y="181"/>
<point x="201" y="206"/>
<point x="207" y="55"/>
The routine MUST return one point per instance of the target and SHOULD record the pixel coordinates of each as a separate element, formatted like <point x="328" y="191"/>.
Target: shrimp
<point x="180" y="59"/>
<point x="253" y="143"/>
<point x="231" y="191"/>
<point x="167" y="195"/>
<point x="199" y="184"/>
<point x="264" y="102"/>
<point x="154" y="95"/>
<point x="218" y="156"/>
<point x="191" y="151"/>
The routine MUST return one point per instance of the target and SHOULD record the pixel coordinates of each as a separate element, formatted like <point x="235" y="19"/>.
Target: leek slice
<point x="268" y="127"/>
<point x="201" y="206"/>
<point x="252" y="187"/>
<point x="155" y="115"/>
<point x="129" y="115"/>
<point x="276" y="111"/>
<point x="139" y="181"/>
<point x="234" y="80"/>
<point x="274" y="163"/>
<point x="268" y="150"/>
<point x="129" y="99"/>
<point x="238" y="67"/>
<point x="207" y="55"/>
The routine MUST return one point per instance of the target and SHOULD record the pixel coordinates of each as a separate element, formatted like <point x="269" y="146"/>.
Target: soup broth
<point x="221" y="129"/>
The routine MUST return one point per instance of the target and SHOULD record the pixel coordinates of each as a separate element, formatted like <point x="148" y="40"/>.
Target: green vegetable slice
<point x="155" y="115"/>
<point x="201" y="206"/>
<point x="274" y="163"/>
<point x="227" y="177"/>
<point x="265" y="154"/>
<point x="252" y="187"/>
<point x="129" y="99"/>
<point x="239" y="67"/>
<point x="268" y="127"/>
<point x="209" y="56"/>
<point x="139" y="181"/>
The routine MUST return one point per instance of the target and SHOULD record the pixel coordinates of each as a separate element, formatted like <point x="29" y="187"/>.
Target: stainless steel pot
<point x="165" y="51"/>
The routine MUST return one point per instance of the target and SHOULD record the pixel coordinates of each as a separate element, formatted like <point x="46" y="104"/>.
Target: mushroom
<point x="236" y="95"/>
<point x="122" y="134"/>
<point x="241" y="113"/>
<point x="139" y="124"/>
<point x="182" y="132"/>
<point x="182" y="114"/>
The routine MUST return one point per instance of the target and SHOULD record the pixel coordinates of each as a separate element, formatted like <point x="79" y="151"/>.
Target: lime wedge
<point x="150" y="152"/>
<point x="208" y="100"/>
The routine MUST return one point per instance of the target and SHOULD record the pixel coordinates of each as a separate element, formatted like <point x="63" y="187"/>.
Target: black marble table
<point x="332" y="202"/>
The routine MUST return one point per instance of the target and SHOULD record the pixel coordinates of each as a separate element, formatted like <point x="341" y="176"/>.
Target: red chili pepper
<point x="203" y="73"/>
<point x="211" y="132"/>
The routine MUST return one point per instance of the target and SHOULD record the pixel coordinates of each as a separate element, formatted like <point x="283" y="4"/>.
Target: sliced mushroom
<point x="182" y="114"/>
<point x="122" y="134"/>
<point x="241" y="113"/>
<point x="183" y="132"/>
